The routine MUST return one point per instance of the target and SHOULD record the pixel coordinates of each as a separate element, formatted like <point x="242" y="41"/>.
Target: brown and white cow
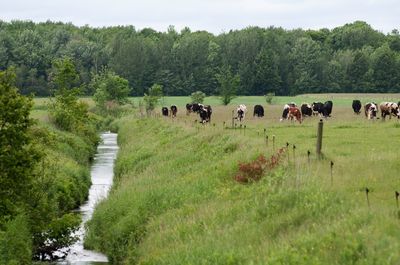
<point x="370" y="110"/>
<point x="285" y="113"/>
<point x="389" y="108"/>
<point x="295" y="113"/>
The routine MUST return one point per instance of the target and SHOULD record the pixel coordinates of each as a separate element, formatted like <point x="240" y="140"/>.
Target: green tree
<point x="152" y="98"/>
<point x="358" y="71"/>
<point x="305" y="56"/>
<point x="110" y="88"/>
<point x="66" y="111"/>
<point x="228" y="85"/>
<point x="386" y="73"/>
<point x="197" y="97"/>
<point x="18" y="154"/>
<point x="64" y="75"/>
<point x="267" y="75"/>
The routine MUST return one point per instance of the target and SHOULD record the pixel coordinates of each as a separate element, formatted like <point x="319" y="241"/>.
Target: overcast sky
<point x="212" y="15"/>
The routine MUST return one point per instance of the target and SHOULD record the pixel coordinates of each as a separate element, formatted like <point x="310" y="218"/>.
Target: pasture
<point x="176" y="201"/>
<point x="364" y="152"/>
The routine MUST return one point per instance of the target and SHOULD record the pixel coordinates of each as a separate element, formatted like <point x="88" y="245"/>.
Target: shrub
<point x="152" y="98"/>
<point x="269" y="97"/>
<point x="255" y="170"/>
<point x="15" y="242"/>
<point x="197" y="97"/>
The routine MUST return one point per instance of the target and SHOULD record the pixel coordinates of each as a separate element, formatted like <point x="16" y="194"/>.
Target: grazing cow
<point x="327" y="108"/>
<point x="389" y="108"/>
<point x="174" y="110"/>
<point x="317" y="108"/>
<point x="285" y="113"/>
<point x="205" y="112"/>
<point x="189" y="108"/>
<point x="164" y="111"/>
<point x="306" y="109"/>
<point x="370" y="110"/>
<point x="258" y="111"/>
<point x="241" y="112"/>
<point x="294" y="112"/>
<point x="193" y="107"/>
<point x="356" y="106"/>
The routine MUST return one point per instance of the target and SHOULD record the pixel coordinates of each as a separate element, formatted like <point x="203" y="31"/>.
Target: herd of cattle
<point x="291" y="111"/>
<point x="371" y="109"/>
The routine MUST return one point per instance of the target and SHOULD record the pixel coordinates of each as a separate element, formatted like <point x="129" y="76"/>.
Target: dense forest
<point x="350" y="58"/>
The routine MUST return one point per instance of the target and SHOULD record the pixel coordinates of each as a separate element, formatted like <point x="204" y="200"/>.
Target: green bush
<point x="16" y="242"/>
<point x="197" y="97"/>
<point x="269" y="97"/>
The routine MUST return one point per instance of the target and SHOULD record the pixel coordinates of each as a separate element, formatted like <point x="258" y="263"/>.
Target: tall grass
<point x="175" y="200"/>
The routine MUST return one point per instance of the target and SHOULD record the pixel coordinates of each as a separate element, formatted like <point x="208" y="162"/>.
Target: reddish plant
<point x="255" y="170"/>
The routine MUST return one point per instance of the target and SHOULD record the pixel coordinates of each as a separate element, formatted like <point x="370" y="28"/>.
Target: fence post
<point x="366" y="192"/>
<point x="233" y="119"/>
<point x="273" y="143"/>
<point x="319" y="137"/>
<point x="294" y="154"/>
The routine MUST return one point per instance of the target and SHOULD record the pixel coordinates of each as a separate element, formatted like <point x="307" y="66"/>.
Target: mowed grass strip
<point x="175" y="200"/>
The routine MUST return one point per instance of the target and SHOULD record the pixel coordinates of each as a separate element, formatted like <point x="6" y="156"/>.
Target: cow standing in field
<point x="295" y="112"/>
<point x="356" y="106"/>
<point x="189" y="108"/>
<point x="370" y="110"/>
<point x="327" y="109"/>
<point x="241" y="112"/>
<point x="205" y="112"/>
<point x="285" y="113"/>
<point x="258" y="111"/>
<point x="174" y="110"/>
<point x="164" y="111"/>
<point x="389" y="108"/>
<point x="306" y="109"/>
<point x="317" y="108"/>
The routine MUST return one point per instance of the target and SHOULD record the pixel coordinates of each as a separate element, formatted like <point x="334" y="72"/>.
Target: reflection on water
<point x="102" y="178"/>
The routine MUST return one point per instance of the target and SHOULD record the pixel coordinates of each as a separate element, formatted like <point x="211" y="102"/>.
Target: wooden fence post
<point x="319" y="137"/>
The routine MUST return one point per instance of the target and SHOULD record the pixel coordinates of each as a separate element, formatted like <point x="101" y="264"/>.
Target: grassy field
<point x="338" y="99"/>
<point x="175" y="200"/>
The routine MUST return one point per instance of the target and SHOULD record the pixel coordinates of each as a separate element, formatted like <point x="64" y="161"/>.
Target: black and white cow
<point x="356" y="106"/>
<point x="327" y="109"/>
<point x="241" y="112"/>
<point x="306" y="109"/>
<point x="164" y="111"/>
<point x="174" y="110"/>
<point x="285" y="113"/>
<point x="370" y="110"/>
<point x="317" y="108"/>
<point x="258" y="111"/>
<point x="193" y="107"/>
<point x="189" y="108"/>
<point x="205" y="112"/>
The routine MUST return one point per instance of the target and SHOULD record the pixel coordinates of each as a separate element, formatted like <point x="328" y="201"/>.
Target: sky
<point x="216" y="16"/>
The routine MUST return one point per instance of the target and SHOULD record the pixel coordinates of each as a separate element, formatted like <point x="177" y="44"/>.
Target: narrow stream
<point x="102" y="173"/>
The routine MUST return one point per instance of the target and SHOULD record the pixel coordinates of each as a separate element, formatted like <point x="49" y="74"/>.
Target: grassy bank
<point x="175" y="200"/>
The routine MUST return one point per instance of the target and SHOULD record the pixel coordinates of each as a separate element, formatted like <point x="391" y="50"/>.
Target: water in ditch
<point x="102" y="173"/>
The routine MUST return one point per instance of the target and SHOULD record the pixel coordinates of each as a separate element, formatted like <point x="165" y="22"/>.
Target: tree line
<point x="350" y="58"/>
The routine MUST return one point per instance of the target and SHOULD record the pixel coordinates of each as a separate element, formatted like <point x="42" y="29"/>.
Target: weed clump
<point x="255" y="170"/>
